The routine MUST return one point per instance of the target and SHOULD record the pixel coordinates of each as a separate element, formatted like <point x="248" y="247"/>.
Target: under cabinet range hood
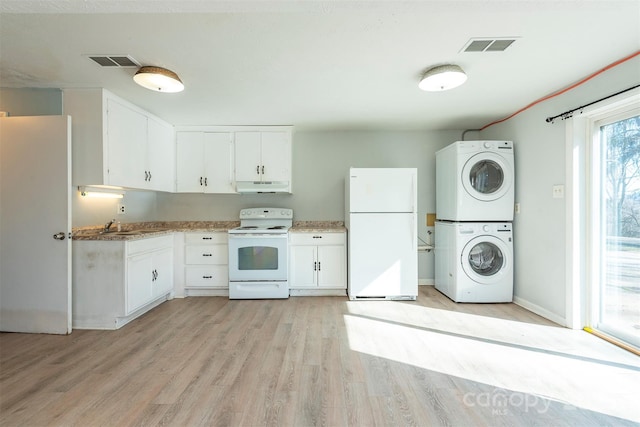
<point x="253" y="187"/>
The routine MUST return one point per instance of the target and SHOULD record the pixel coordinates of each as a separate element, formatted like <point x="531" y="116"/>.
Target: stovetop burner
<point x="264" y="221"/>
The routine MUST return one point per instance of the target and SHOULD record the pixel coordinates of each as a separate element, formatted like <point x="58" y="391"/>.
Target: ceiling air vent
<point x="488" y="45"/>
<point x="116" y="61"/>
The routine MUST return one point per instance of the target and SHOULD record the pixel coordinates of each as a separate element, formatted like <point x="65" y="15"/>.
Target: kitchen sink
<point x="133" y="232"/>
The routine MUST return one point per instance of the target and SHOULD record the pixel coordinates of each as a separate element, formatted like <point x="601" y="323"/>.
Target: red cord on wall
<point x="578" y="83"/>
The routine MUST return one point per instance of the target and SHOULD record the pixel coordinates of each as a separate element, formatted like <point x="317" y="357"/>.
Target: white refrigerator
<point x="381" y="220"/>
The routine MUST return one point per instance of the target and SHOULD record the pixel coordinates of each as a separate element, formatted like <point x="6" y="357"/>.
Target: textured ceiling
<point x="317" y="64"/>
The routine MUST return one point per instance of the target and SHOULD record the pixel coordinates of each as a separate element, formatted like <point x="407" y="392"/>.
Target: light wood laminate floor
<point x="310" y="361"/>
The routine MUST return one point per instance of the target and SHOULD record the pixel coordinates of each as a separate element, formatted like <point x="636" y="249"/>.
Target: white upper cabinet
<point x="116" y="143"/>
<point x="263" y="156"/>
<point x="126" y="145"/>
<point x="160" y="156"/>
<point x="204" y="162"/>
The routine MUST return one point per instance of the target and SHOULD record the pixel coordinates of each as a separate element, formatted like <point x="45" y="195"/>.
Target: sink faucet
<point x="108" y="225"/>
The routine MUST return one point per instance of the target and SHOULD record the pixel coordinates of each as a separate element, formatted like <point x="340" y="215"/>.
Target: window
<point x="614" y="226"/>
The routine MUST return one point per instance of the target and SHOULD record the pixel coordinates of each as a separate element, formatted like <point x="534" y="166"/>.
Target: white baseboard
<point x="539" y="311"/>
<point x="318" y="292"/>
<point x="426" y="282"/>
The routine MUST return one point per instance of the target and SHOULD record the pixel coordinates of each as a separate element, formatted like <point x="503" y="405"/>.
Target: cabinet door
<point x="189" y="162"/>
<point x="276" y="156"/>
<point x="332" y="270"/>
<point x="160" y="156"/>
<point x="302" y="266"/>
<point x="218" y="158"/>
<point x="163" y="269"/>
<point x="127" y="139"/>
<point x="139" y="279"/>
<point x="248" y="156"/>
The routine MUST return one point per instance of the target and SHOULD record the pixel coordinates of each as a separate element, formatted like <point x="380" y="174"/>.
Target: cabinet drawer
<point x="317" y="238"/>
<point x="207" y="254"/>
<point x="205" y="238"/>
<point x="150" y="244"/>
<point x="215" y="276"/>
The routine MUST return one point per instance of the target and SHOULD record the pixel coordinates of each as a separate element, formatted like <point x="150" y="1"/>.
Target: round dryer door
<point x="485" y="259"/>
<point x="487" y="176"/>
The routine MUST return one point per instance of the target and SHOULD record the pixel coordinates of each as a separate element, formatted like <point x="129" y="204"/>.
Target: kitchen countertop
<point x="150" y="229"/>
<point x="142" y="230"/>
<point x="318" y="227"/>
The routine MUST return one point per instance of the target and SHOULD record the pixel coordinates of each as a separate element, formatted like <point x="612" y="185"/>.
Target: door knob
<point x="59" y="236"/>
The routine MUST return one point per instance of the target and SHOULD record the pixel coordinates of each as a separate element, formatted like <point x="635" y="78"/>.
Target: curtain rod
<point x="569" y="114"/>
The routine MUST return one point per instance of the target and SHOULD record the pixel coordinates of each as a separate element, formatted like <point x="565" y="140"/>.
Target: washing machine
<point x="475" y="181"/>
<point x="474" y="261"/>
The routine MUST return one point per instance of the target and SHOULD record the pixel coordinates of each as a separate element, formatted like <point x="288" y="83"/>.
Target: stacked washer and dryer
<point x="474" y="214"/>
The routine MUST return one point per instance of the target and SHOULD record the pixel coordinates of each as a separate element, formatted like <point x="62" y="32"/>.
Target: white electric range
<point x="259" y="254"/>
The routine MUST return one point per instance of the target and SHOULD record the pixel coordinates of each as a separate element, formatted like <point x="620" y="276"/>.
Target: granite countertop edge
<point x="318" y="227"/>
<point x="159" y="228"/>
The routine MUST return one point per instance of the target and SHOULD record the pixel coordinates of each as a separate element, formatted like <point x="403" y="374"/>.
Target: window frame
<point x="580" y="159"/>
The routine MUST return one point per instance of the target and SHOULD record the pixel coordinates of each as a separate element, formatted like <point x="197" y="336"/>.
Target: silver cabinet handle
<point x="59" y="236"/>
<point x="207" y="254"/>
<point x="149" y="175"/>
<point x="258" y="169"/>
<point x="315" y="266"/>
<point x="200" y="180"/>
<point x="205" y="181"/>
<point x="262" y="169"/>
<point x="318" y="265"/>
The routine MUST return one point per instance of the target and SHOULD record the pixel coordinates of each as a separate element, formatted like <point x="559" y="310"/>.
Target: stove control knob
<point x="487" y="145"/>
<point x="486" y="228"/>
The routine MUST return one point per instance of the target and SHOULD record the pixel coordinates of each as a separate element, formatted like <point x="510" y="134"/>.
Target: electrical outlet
<point x="516" y="208"/>
<point x="121" y="210"/>
<point x="431" y="219"/>
<point x="558" y="191"/>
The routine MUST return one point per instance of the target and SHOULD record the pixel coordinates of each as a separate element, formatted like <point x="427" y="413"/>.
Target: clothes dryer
<point x="475" y="181"/>
<point x="474" y="261"/>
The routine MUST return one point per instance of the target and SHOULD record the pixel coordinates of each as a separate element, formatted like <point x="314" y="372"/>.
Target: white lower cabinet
<point x="116" y="281"/>
<point x="206" y="262"/>
<point x="317" y="262"/>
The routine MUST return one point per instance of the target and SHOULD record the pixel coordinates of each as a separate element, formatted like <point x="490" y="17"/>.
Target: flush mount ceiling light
<point x="158" y="79"/>
<point x="442" y="77"/>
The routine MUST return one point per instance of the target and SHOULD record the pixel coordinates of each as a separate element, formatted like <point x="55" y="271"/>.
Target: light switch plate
<point x="558" y="191"/>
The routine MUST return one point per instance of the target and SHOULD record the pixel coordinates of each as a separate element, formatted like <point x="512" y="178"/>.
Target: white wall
<point x="540" y="228"/>
<point x="31" y="102"/>
<point x="139" y="206"/>
<point x="320" y="164"/>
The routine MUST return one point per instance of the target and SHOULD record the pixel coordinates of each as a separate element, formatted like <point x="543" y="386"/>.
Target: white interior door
<point x="35" y="206"/>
